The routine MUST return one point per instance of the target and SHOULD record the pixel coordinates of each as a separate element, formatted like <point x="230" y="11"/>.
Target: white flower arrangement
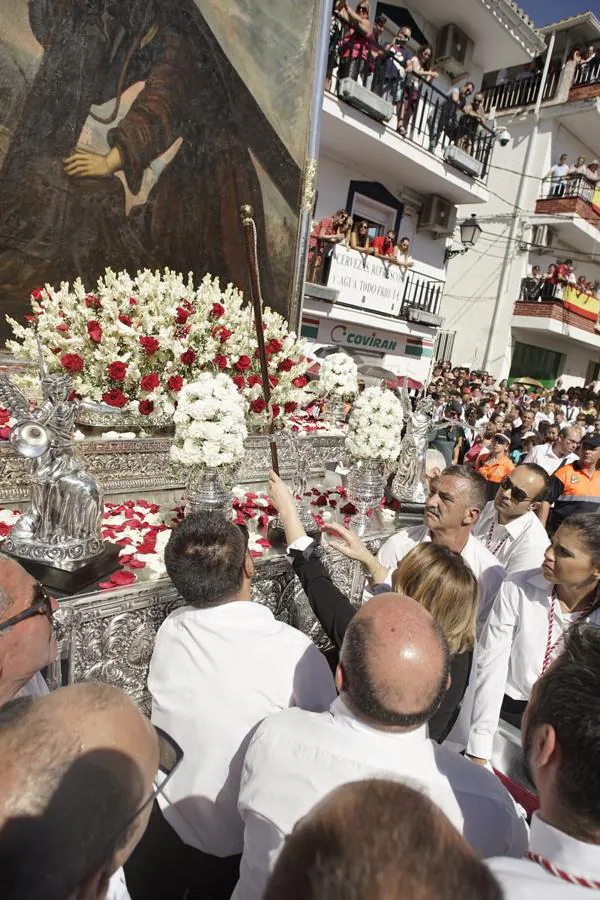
<point x="210" y="423"/>
<point x="338" y="376"/>
<point x="134" y="342"/>
<point x="375" y="426"/>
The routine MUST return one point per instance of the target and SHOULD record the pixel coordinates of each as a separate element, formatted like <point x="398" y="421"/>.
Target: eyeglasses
<point x="41" y="604"/>
<point x="517" y="494"/>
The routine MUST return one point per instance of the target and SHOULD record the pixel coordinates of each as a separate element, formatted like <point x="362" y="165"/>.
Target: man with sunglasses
<point x="78" y="773"/>
<point x="574" y="487"/>
<point x="509" y="526"/>
<point x="27" y="642"/>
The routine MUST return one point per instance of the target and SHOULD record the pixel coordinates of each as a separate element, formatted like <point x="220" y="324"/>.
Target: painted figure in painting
<point x="175" y="134"/>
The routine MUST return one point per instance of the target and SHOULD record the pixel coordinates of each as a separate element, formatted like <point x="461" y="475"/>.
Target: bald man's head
<point x="77" y="766"/>
<point x="394" y="663"/>
<point x="378" y="840"/>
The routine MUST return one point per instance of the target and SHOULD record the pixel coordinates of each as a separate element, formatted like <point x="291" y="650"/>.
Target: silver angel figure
<point x="410" y="482"/>
<point x="61" y="526"/>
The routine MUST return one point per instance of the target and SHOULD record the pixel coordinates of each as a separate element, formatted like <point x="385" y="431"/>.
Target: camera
<point x="503" y="137"/>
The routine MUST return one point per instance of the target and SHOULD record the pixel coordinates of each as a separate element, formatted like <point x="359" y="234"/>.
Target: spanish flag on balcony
<point x="581" y="303"/>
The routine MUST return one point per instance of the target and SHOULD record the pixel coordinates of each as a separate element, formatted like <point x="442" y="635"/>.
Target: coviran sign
<point x="351" y="337"/>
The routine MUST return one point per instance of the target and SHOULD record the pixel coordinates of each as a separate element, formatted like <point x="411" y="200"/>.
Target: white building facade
<point x="494" y="321"/>
<point x="384" y="315"/>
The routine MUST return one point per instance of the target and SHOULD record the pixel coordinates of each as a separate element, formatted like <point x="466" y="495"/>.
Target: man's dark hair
<point x="453" y="406"/>
<point x="542" y="475"/>
<point x="376" y="839"/>
<point x="380" y="20"/>
<point x="476" y="484"/>
<point x="363" y="692"/>
<point x="204" y="559"/>
<point x="567" y="697"/>
<point x="407" y="239"/>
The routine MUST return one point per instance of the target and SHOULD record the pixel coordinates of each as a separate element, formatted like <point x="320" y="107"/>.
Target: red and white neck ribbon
<point x="561" y="873"/>
<point x="488" y="541"/>
<point x="550" y="646"/>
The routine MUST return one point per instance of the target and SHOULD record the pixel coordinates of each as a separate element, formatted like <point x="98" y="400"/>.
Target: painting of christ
<point x="134" y="130"/>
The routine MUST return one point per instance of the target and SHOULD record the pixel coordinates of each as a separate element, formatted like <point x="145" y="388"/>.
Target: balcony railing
<point x="374" y="284"/>
<point x="571" y="187"/>
<point x="433" y="122"/>
<point x="519" y="93"/>
<point x="587" y="73"/>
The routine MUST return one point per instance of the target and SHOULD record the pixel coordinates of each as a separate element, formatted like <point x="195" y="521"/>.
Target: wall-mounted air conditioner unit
<point x="452" y="50"/>
<point x="543" y="237"/>
<point x="437" y="215"/>
<point x="463" y="161"/>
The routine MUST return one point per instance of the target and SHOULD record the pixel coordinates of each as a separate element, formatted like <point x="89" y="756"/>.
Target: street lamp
<point x="470" y="230"/>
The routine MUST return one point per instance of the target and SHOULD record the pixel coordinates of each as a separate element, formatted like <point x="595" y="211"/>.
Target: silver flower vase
<point x="205" y="491"/>
<point x="333" y="411"/>
<point x="366" y="485"/>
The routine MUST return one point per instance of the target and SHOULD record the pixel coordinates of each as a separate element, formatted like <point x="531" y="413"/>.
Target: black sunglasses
<point x="516" y="493"/>
<point x="41" y="604"/>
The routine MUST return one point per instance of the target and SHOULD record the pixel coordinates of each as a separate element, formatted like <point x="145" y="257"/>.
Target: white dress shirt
<point x="484" y="565"/>
<point x="543" y="455"/>
<point x="511" y="651"/>
<point x="522" y="879"/>
<point x="117" y="887"/>
<point x="296" y="758"/>
<point x="519" y="546"/>
<point x="215" y="674"/>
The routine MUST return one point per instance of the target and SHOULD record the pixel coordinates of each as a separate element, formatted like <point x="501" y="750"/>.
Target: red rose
<point x="321" y="500"/>
<point x="243" y="364"/>
<point x="225" y="334"/>
<point x="220" y="361"/>
<point x="92" y="302"/>
<point x="285" y="365"/>
<point x="239" y="382"/>
<point x="149" y="344"/>
<point x="132" y="301"/>
<point x="117" y="371"/>
<point x="175" y="383"/>
<point x="258" y="405"/>
<point x="253" y="380"/>
<point x="150" y="381"/>
<point x="4" y="436"/>
<point x="273" y="381"/>
<point x="274" y="346"/>
<point x="188" y="357"/>
<point x="126" y="320"/>
<point x="114" y="397"/>
<point x="182" y="315"/>
<point x="275" y="409"/>
<point x="74" y="396"/>
<point x="36" y="293"/>
<point x="146" y="407"/>
<point x="290" y="407"/>
<point x="72" y="362"/>
<point x="4" y="416"/>
<point x="95" y="332"/>
<point x="300" y="382"/>
<point x="64" y="329"/>
<point x="217" y="310"/>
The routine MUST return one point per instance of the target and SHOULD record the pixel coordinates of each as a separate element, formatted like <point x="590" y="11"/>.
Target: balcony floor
<point x="380" y="154"/>
<point x="552" y="318"/>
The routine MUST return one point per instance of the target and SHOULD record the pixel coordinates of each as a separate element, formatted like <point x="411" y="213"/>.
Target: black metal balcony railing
<point x="539" y="289"/>
<point x="587" y="73"/>
<point x="419" y="291"/>
<point x="519" y="93"/>
<point x="431" y="119"/>
<point x="569" y="187"/>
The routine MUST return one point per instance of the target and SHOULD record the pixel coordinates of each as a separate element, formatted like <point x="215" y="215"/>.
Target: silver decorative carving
<point x="102" y="419"/>
<point x="410" y="484"/>
<point x="334" y="411"/>
<point x="205" y="491"/>
<point x="61" y="526"/>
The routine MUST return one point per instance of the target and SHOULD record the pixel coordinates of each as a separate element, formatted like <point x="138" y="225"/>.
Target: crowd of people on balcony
<point x="341" y="229"/>
<point x="393" y="72"/>
<point x="569" y="179"/>
<point x="551" y="284"/>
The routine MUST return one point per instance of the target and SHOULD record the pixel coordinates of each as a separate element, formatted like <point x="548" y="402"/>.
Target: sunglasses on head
<point x="41" y="604"/>
<point x="517" y="494"/>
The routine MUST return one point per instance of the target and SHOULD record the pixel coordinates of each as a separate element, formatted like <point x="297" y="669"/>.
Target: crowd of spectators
<point x="568" y="179"/>
<point x="551" y="284"/>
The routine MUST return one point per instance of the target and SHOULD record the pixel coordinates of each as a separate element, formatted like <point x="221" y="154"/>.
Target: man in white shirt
<point x="557" y="175"/>
<point x="452" y="509"/>
<point x="354" y="844"/>
<point x="78" y="767"/>
<point x="561" y="735"/>
<point x="221" y="663"/>
<point x="562" y="452"/>
<point x="392" y="676"/>
<point x="508" y="526"/>
<point x="27" y="641"/>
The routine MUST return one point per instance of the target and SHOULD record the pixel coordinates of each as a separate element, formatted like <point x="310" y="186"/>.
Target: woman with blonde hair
<point x="434" y="576"/>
